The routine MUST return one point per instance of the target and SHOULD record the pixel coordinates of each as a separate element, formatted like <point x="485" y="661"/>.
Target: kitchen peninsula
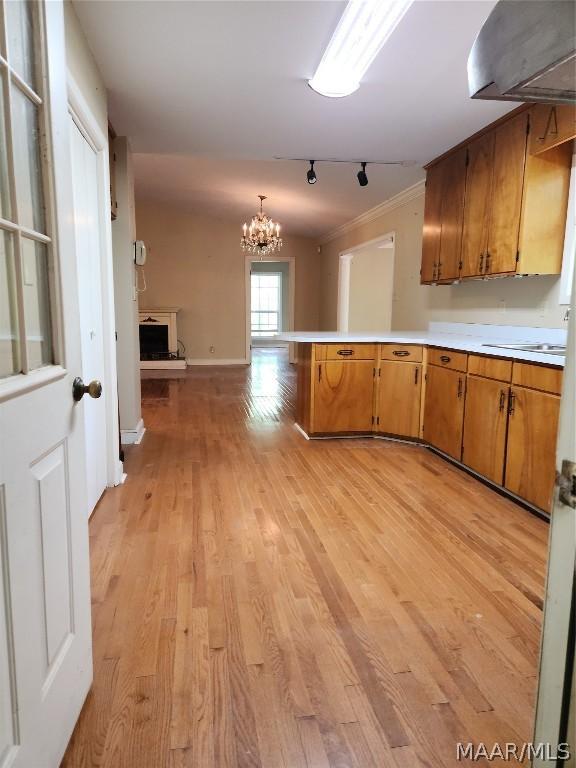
<point x="487" y="397"/>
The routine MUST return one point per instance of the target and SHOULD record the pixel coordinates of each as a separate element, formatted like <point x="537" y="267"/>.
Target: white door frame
<point x="291" y="300"/>
<point x="344" y="264"/>
<point x="88" y="125"/>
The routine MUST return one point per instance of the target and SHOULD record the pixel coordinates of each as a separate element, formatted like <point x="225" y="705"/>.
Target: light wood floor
<point x="261" y="600"/>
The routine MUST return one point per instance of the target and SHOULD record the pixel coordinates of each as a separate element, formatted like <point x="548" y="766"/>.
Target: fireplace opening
<point x="154" y="342"/>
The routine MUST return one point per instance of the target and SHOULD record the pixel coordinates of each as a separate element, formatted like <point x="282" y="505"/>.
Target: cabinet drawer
<point x="542" y="377"/>
<point x="447" y="358"/>
<point x="410" y="353"/>
<point x="345" y="351"/>
<point x="490" y="367"/>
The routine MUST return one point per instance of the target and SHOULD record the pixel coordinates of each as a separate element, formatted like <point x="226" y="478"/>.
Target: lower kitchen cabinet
<point x="343" y="396"/>
<point x="444" y="409"/>
<point x="531" y="452"/>
<point x="398" y="405"/>
<point x="484" y="443"/>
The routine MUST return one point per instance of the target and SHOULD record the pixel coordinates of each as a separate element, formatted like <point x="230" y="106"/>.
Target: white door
<point x="45" y="631"/>
<point x="88" y="256"/>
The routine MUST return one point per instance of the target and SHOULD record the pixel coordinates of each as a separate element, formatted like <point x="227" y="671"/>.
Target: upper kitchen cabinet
<point x="444" y="209"/>
<point x="513" y="215"/>
<point x="552" y="124"/>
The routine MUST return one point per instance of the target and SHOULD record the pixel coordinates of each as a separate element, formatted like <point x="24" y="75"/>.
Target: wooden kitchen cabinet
<point x="444" y="209"/>
<point x="514" y="208"/>
<point x="398" y="403"/>
<point x="551" y="125"/>
<point x="477" y="205"/>
<point x="343" y="394"/>
<point x="484" y="442"/>
<point x="444" y="409"/>
<point x="531" y="451"/>
<point x="510" y="140"/>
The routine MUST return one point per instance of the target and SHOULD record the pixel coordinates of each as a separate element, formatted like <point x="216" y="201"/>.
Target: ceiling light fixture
<point x="263" y="235"/>
<point x="362" y="30"/>
<point x="311" y="175"/>
<point x="362" y="177"/>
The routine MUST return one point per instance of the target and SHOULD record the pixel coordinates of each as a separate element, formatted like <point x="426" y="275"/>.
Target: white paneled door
<point x="45" y="632"/>
<point x="88" y="256"/>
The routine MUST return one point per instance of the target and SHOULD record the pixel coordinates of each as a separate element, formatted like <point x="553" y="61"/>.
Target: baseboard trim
<point x="216" y="361"/>
<point x="133" y="436"/>
<point x="298" y="428"/>
<point x="162" y="365"/>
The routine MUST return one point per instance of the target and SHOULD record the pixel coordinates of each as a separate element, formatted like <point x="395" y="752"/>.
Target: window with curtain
<point x="266" y="304"/>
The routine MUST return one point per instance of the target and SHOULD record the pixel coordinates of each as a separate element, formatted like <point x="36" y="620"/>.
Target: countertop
<point x="479" y="339"/>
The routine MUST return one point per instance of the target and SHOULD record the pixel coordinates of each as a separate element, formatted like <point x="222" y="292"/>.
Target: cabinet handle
<point x="548" y="129"/>
<point x="511" y="406"/>
<point x="439" y="270"/>
<point x="416" y="375"/>
<point x="320" y="372"/>
<point x="401" y="353"/>
<point x="487" y="263"/>
<point x="434" y="272"/>
<point x="481" y="268"/>
<point x="345" y="352"/>
<point x="459" y="388"/>
<point x="445" y="359"/>
<point x="502" y="400"/>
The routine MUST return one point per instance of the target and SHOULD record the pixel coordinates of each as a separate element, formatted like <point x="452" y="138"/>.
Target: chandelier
<point x="263" y="235"/>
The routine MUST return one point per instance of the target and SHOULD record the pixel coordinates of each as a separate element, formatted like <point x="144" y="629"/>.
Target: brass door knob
<point x="79" y="389"/>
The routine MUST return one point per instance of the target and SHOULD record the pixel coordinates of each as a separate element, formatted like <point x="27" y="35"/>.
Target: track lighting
<point x="311" y="175"/>
<point x="362" y="178"/>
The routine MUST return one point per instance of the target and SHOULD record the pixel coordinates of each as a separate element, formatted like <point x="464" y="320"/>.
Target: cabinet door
<point x="453" y="182"/>
<point x="484" y="443"/>
<point x="399" y="390"/>
<point x="444" y="409"/>
<point x="432" y="224"/>
<point x="531" y="451"/>
<point x="507" y="184"/>
<point x="551" y="125"/>
<point x="477" y="205"/>
<point x="343" y="396"/>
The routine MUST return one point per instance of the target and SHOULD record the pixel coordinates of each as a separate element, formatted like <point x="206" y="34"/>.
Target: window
<point x="266" y="303"/>
<point x="569" y="241"/>
<point x="25" y="242"/>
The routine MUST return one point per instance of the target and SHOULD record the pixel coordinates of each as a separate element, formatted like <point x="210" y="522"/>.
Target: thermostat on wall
<point x="139" y="253"/>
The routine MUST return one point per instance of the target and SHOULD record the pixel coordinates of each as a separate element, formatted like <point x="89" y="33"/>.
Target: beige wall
<point x="508" y="301"/>
<point x="195" y="262"/>
<point x="83" y="68"/>
<point x="371" y="287"/>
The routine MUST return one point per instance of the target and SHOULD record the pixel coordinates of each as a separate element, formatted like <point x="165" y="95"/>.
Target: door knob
<point x="79" y="389"/>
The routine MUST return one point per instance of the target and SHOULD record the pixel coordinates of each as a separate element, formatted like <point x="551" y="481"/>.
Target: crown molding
<point x="379" y="210"/>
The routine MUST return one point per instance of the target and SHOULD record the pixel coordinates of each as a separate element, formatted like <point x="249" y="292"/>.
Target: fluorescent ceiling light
<point x="361" y="32"/>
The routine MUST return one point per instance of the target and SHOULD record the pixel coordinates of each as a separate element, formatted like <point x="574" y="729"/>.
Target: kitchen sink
<point x="549" y="349"/>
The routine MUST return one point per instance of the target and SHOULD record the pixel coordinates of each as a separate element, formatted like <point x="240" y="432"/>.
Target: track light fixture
<point x="362" y="177"/>
<point x="311" y="175"/>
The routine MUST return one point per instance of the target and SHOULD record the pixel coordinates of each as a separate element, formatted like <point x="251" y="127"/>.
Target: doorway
<point x="365" y="286"/>
<point x="269" y="303"/>
<point x="88" y="149"/>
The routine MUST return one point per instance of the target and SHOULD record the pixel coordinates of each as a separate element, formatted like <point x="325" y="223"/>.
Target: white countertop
<point x="481" y="339"/>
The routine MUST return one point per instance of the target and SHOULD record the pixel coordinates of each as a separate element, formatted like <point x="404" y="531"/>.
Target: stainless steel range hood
<point x="526" y="51"/>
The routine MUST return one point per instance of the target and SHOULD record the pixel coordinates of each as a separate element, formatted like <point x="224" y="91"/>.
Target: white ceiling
<point x="210" y="92"/>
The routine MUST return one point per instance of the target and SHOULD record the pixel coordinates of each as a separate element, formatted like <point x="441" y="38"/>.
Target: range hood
<point x="526" y="51"/>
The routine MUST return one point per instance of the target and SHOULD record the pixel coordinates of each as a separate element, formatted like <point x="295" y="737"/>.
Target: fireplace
<point x="159" y="339"/>
<point x="154" y="342"/>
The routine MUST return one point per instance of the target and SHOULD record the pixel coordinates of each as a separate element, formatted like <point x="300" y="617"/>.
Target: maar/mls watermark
<point x="509" y="751"/>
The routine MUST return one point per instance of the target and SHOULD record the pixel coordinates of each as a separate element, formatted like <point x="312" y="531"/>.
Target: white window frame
<point x="278" y="312"/>
<point x="569" y="257"/>
<point x="28" y="379"/>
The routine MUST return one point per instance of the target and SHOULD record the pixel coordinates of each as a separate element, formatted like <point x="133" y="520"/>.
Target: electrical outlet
<point x="212" y="350"/>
